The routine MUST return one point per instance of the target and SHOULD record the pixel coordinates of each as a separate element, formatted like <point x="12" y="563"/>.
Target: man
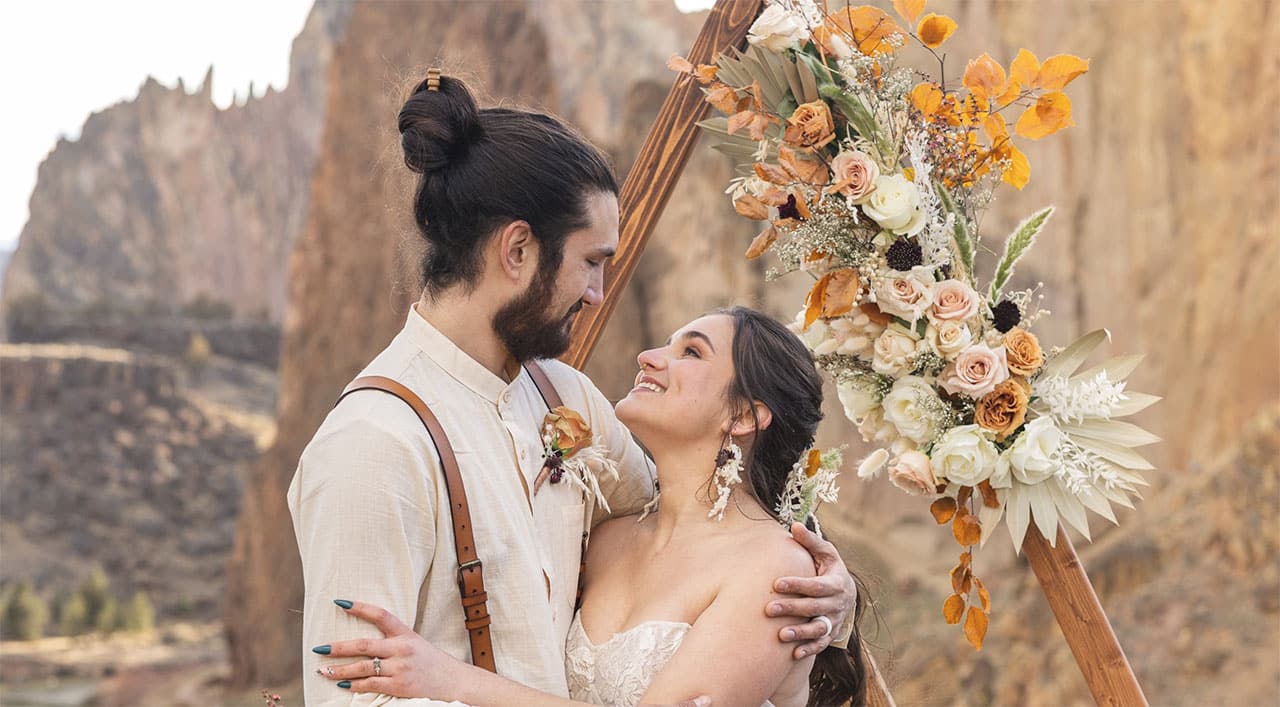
<point x="520" y="215"/>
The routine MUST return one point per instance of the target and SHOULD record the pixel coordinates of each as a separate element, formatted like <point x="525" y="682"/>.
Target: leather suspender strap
<point x="540" y="379"/>
<point x="470" y="570"/>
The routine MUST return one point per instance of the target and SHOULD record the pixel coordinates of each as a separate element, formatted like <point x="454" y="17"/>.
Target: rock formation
<point x="1160" y="236"/>
<point x="167" y="200"/>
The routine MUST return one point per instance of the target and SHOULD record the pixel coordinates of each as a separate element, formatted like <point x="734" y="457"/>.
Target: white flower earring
<point x="728" y="474"/>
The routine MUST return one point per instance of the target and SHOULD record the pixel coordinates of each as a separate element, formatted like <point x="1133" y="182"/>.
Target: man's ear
<point x="745" y="424"/>
<point x="517" y="250"/>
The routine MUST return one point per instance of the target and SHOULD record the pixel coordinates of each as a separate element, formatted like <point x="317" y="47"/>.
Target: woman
<point x="667" y="608"/>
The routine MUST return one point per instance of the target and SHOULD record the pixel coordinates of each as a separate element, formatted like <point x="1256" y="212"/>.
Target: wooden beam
<point x="658" y="166"/>
<point x="1083" y="622"/>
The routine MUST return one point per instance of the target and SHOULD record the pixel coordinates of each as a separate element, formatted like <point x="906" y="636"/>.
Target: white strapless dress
<point x="618" y="671"/>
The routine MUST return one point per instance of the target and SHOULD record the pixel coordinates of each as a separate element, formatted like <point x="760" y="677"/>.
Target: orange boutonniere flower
<point x="567" y="431"/>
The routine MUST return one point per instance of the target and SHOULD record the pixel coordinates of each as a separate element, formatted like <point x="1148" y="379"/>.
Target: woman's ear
<point x="517" y="250"/>
<point x="746" y="424"/>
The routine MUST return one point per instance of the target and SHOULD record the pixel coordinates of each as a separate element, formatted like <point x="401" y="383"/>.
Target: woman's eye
<point x="690" y="351"/>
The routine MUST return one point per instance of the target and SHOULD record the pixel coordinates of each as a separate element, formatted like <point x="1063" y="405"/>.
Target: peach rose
<point x="1003" y="410"/>
<point x="949" y="338"/>
<point x="975" y="372"/>
<point x="854" y="174"/>
<point x="906" y="295"/>
<point x="913" y="472"/>
<point x="1024" y="353"/>
<point x="569" y="432"/>
<point x="954" y="300"/>
<point x="810" y="126"/>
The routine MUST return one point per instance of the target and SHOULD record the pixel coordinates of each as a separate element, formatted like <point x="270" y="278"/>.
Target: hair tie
<point x="433" y="79"/>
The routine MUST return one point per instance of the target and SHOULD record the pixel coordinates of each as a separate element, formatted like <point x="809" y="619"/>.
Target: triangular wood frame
<point x="650" y="183"/>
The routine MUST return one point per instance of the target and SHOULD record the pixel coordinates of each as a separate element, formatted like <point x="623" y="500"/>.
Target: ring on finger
<point x="826" y="622"/>
<point x="377" y="662"/>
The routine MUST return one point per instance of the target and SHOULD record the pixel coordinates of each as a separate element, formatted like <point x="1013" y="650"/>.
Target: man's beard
<point x="527" y="329"/>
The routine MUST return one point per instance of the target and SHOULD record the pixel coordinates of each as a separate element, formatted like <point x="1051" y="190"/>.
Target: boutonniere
<point x="568" y="454"/>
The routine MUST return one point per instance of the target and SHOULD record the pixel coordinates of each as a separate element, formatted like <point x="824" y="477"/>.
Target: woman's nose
<point x="649" y="359"/>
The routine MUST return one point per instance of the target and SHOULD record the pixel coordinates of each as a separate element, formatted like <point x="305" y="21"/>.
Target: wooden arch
<point x="648" y="186"/>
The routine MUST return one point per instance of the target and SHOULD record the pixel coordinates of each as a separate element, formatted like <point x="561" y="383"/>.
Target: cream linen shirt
<point x="369" y="510"/>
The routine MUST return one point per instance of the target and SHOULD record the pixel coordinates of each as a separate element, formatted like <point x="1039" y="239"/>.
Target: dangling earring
<point x="728" y="468"/>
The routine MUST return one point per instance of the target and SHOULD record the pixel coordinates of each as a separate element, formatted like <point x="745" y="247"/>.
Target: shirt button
<point x="506" y="397"/>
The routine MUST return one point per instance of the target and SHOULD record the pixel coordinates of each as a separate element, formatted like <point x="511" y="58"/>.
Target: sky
<point x="61" y="60"/>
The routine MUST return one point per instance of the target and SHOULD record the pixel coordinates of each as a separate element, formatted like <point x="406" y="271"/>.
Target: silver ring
<point x="377" y="662"/>
<point x="826" y="621"/>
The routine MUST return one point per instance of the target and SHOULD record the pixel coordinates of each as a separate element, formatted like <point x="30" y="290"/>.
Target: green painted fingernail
<point x="322" y="650"/>
<point x="343" y="603"/>
<point x="345" y="684"/>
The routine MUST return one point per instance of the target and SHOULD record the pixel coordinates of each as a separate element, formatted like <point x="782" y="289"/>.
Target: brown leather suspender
<point x="470" y="569"/>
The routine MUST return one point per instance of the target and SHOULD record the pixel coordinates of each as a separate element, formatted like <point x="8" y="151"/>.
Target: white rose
<point x="895" y="205"/>
<point x="852" y="335"/>
<point x="777" y="30"/>
<point x="912" y="472"/>
<point x="907" y="406"/>
<point x="1031" y="455"/>
<point x="948" y="337"/>
<point x="894" y="352"/>
<point x="857" y="399"/>
<point x="813" y="337"/>
<point x="906" y="295"/>
<point x="964" y="456"/>
<point x="875" y="429"/>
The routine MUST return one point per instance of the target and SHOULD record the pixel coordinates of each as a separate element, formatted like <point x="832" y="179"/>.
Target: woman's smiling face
<point x="682" y="388"/>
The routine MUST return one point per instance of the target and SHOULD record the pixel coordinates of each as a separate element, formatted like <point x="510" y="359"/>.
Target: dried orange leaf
<point x="751" y="207"/>
<point x="813" y="302"/>
<point x="975" y="626"/>
<point x="966" y="558"/>
<point x="813" y="463"/>
<point x="1025" y="68"/>
<point x="983" y="595"/>
<point x="943" y="509"/>
<point x="989" y="498"/>
<point x="762" y="242"/>
<point x="965" y="493"/>
<point x="934" y="29"/>
<point x="706" y="73"/>
<point x="1051" y="113"/>
<point x="960" y="575"/>
<point x="1058" y="71"/>
<point x="927" y="98"/>
<point x="1019" y="171"/>
<point x="723" y="98"/>
<point x="841" y="292"/>
<point x="867" y="27"/>
<point x="996" y="129"/>
<point x="806" y="170"/>
<point x="740" y="120"/>
<point x="772" y="173"/>
<point x="984" y="77"/>
<point x="967" y="529"/>
<point x="909" y="9"/>
<point x="1011" y="93"/>
<point x="679" y="63"/>
<point x="953" y="608"/>
<point x="873" y="312"/>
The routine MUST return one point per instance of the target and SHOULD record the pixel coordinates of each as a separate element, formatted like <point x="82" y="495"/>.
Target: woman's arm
<point x="409" y="666"/>
<point x="732" y="653"/>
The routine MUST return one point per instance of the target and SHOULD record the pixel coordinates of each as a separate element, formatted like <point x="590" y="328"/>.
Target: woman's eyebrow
<point x="694" y="334"/>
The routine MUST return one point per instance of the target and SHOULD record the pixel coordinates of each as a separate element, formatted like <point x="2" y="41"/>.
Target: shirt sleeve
<point x="628" y="494"/>
<point x="363" y="507"/>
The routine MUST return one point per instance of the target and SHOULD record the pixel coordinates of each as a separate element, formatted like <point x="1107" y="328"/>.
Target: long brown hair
<point x="772" y="366"/>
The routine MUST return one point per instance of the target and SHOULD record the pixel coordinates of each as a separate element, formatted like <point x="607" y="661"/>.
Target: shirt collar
<point x="456" y="362"/>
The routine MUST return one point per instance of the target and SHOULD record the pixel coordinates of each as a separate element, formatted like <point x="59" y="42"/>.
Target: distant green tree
<point x="25" y="614"/>
<point x="108" y="619"/>
<point x="96" y="593"/>
<point x="72" y="615"/>
<point x="139" y="614"/>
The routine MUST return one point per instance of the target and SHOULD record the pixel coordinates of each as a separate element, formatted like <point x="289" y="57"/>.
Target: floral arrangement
<point x="812" y="481"/>
<point x="568" y="454"/>
<point x="870" y="177"/>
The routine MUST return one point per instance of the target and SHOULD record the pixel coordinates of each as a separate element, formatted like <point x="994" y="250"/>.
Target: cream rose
<point x="909" y="407"/>
<point x="953" y="300"/>
<point x="894" y="352"/>
<point x="875" y="429"/>
<point x="814" y="336"/>
<point x="948" y="337"/>
<point x="857" y="399"/>
<point x="907" y="295"/>
<point x="777" y="30"/>
<point x="964" y="456"/>
<point x="1031" y="456"/>
<point x="853" y="174"/>
<point x="912" y="472"/>
<point x="895" y="205"/>
<point x="975" y="371"/>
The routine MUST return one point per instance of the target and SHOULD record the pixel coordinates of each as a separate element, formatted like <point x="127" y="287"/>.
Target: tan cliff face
<point x="166" y="199"/>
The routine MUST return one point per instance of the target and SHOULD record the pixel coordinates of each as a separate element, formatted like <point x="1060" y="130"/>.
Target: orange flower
<point x="1051" y="113"/>
<point x="569" y="432"/>
<point x="1003" y="410"/>
<point x="810" y="126"/>
<point x="1023" y="352"/>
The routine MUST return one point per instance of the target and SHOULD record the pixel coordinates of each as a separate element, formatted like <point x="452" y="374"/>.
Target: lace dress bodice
<point x="618" y="671"/>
